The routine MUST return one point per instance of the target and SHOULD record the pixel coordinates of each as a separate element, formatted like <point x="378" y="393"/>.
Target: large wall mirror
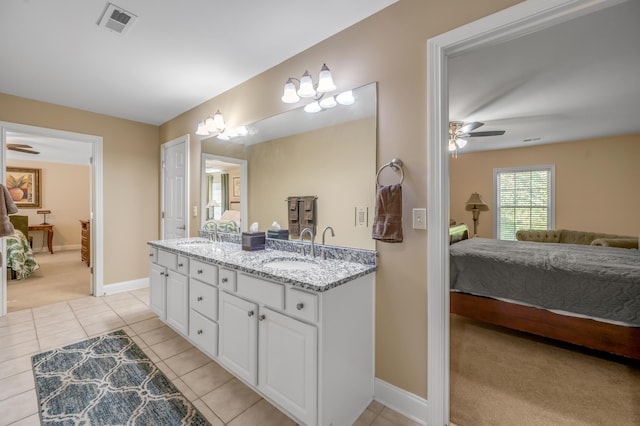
<point x="330" y="154"/>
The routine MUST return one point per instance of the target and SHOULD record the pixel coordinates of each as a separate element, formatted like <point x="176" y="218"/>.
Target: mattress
<point x="602" y="283"/>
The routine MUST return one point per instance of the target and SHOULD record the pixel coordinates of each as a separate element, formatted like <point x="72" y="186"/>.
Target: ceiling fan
<point x="459" y="131"/>
<point x="21" y="148"/>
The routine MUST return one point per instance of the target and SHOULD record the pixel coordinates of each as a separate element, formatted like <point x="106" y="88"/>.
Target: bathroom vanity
<point x="298" y="330"/>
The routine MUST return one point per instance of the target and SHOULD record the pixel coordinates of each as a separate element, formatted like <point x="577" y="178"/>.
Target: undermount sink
<point x="291" y="264"/>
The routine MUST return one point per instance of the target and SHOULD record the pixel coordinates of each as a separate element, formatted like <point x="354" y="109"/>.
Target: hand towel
<point x="7" y="207"/>
<point x="387" y="220"/>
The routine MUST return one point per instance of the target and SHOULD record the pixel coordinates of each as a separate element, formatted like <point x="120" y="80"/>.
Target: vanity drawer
<point x="183" y="265"/>
<point x="168" y="260"/>
<point x="203" y="332"/>
<point x="261" y="291"/>
<point x="227" y="279"/>
<point x="301" y="304"/>
<point x="203" y="298"/>
<point x="203" y="271"/>
<point x="153" y="254"/>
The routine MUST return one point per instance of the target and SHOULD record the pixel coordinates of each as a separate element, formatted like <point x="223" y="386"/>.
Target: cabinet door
<point x="238" y="336"/>
<point x="288" y="363"/>
<point x="178" y="301"/>
<point x="157" y="290"/>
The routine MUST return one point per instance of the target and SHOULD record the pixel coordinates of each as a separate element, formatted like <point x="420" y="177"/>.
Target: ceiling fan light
<point x="290" y="96"/>
<point x="461" y="143"/>
<point x="202" y="129"/>
<point x="329" y="102"/>
<point x="306" y="86"/>
<point x="313" y="107"/>
<point x="325" y="81"/>
<point x="346" y="98"/>
<point x="452" y="146"/>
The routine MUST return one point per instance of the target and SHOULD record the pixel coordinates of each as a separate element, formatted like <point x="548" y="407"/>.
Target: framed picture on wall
<point x="24" y="187"/>
<point x="235" y="192"/>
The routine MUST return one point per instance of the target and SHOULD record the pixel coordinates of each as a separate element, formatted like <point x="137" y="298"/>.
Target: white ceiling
<point x="578" y="80"/>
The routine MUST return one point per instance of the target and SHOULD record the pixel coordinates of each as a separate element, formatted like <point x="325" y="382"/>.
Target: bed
<point x="229" y="222"/>
<point x="20" y="257"/>
<point x="584" y="295"/>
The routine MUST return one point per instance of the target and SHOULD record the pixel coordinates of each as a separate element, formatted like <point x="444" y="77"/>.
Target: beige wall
<point x="390" y="48"/>
<point x="66" y="192"/>
<point x="131" y="158"/>
<point x="595" y="183"/>
<point x="338" y="170"/>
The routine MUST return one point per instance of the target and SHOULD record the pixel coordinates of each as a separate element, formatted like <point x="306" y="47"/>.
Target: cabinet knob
<point x="199" y="299"/>
<point x="225" y="279"/>
<point x="166" y="275"/>
<point x="199" y="331"/>
<point x="180" y="265"/>
<point x="250" y="313"/>
<point x="199" y="271"/>
<point x="261" y="317"/>
<point x="150" y="254"/>
<point x="299" y="306"/>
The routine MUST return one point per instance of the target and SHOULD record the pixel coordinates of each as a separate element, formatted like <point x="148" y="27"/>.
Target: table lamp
<point x="476" y="204"/>
<point x="44" y="213"/>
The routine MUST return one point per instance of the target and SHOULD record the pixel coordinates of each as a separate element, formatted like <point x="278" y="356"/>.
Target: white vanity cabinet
<point x="158" y="290"/>
<point x="203" y="306"/>
<point x="169" y="296"/>
<point x="238" y="339"/>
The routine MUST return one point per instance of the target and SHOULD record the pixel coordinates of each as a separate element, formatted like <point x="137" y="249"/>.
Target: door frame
<point x="97" y="203"/>
<point x="523" y="18"/>
<point x="187" y="198"/>
<point x="243" y="186"/>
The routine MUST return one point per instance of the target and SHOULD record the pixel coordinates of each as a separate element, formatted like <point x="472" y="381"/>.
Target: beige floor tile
<point x="136" y="316"/>
<point x="16" y="384"/>
<point x="396" y="418"/>
<point x="151" y="354"/>
<point x="16" y="328"/>
<point x="33" y="420"/>
<point x="21" y="337"/>
<point x="16" y="365"/>
<point x="138" y="341"/>
<point x="262" y="414"/>
<point x="55" y="318"/>
<point x="230" y="399"/>
<point x="375" y="406"/>
<point x="15" y="351"/>
<point x="16" y="317"/>
<point x="381" y="421"/>
<point x="119" y="298"/>
<point x="86" y="302"/>
<point x="94" y="311"/>
<point x="52" y="309"/>
<point x="207" y="413"/>
<point x="187" y="361"/>
<point x="147" y="325"/>
<point x="62" y="339"/>
<point x="98" y="317"/>
<point x="158" y="335"/>
<point x="104" y="326"/>
<point x="171" y="347"/>
<point x="51" y="329"/>
<point x="18" y="407"/>
<point x="142" y="295"/>
<point x="186" y="390"/>
<point x="207" y="378"/>
<point x="168" y="372"/>
<point x="365" y="418"/>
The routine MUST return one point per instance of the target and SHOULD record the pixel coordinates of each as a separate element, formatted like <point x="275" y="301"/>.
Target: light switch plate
<point x="419" y="218"/>
<point x="195" y="211"/>
<point x="362" y="216"/>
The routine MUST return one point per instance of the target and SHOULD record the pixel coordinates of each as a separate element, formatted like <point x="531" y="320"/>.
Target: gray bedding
<point x="597" y="282"/>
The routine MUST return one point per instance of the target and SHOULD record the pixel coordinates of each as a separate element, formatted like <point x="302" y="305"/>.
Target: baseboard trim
<point x="56" y="249"/>
<point x="125" y="286"/>
<point x="405" y="403"/>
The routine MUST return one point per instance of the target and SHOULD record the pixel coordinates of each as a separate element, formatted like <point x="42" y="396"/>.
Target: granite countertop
<point x="328" y="274"/>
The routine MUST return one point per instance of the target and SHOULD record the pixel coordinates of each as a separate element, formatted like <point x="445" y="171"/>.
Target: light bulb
<point x="461" y="143"/>
<point x="290" y="96"/>
<point x="329" y="102"/>
<point x="346" y="98"/>
<point x="325" y="81"/>
<point x="306" y="86"/>
<point x="313" y="107"/>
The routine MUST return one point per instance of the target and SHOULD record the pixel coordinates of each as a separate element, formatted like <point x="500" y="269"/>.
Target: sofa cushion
<point x="539" y="236"/>
<point x="628" y="243"/>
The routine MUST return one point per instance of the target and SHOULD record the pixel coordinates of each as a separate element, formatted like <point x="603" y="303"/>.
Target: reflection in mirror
<point x="222" y="208"/>
<point x="330" y="154"/>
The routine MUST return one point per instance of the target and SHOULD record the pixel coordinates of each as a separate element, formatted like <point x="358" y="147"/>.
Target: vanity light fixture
<point x="307" y="89"/>
<point x="233" y="133"/>
<point x="211" y="124"/>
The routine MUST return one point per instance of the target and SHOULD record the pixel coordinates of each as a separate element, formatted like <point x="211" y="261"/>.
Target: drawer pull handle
<point x="299" y="306"/>
<point x="180" y="265"/>
<point x="261" y="318"/>
<point x="199" y="271"/>
<point x="150" y="254"/>
<point x="161" y="273"/>
<point x="250" y="313"/>
<point x="225" y="279"/>
<point x="199" y="299"/>
<point x="199" y="331"/>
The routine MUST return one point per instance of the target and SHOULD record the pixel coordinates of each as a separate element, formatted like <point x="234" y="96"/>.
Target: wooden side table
<point x="48" y="228"/>
<point x="85" y="250"/>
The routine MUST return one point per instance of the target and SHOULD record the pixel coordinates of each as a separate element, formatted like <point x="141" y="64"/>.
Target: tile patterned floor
<point x="220" y="397"/>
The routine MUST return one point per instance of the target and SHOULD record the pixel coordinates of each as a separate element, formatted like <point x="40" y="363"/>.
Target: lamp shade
<point x="345" y="98"/>
<point x="476" y="202"/>
<point x="306" y="89"/>
<point x="325" y="81"/>
<point x="213" y="203"/>
<point x="328" y="102"/>
<point x="218" y="120"/>
<point x="202" y="129"/>
<point x="290" y="96"/>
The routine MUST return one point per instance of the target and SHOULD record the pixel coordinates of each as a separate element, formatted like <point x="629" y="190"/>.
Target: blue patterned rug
<point x="107" y="380"/>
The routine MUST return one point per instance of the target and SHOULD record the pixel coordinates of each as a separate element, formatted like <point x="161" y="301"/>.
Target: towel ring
<point x="396" y="165"/>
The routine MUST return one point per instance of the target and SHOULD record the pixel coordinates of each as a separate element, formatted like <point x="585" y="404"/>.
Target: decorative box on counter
<point x="280" y="234"/>
<point x="253" y="241"/>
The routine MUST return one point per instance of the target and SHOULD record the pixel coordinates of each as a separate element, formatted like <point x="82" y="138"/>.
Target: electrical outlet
<point x="362" y="216"/>
<point x="419" y="218"/>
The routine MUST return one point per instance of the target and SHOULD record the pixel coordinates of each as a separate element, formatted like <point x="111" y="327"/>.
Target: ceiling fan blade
<point x="488" y="133"/>
<point x="28" y="151"/>
<point x="469" y="127"/>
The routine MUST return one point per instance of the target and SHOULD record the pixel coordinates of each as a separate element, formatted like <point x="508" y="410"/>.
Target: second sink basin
<point x="293" y="264"/>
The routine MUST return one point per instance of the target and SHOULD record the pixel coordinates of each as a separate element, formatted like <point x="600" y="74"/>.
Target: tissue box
<point x="280" y="234"/>
<point x="253" y="241"/>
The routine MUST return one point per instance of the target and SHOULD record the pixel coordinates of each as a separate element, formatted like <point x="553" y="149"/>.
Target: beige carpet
<point x="500" y="377"/>
<point x="62" y="276"/>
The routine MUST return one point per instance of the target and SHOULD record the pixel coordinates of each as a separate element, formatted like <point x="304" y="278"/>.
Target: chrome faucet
<point x="325" y="230"/>
<point x="313" y="244"/>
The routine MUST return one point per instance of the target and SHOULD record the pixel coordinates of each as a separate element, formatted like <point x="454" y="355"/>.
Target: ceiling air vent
<point x="115" y="18"/>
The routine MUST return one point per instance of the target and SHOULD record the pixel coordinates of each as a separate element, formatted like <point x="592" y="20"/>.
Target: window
<point x="524" y="199"/>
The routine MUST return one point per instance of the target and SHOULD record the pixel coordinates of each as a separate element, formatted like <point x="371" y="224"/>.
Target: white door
<point x="175" y="185"/>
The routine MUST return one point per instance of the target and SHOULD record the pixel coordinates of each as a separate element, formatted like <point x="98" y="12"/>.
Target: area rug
<point x="107" y="380"/>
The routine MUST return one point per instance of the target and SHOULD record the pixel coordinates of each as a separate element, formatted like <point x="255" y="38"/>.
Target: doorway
<point x="91" y="147"/>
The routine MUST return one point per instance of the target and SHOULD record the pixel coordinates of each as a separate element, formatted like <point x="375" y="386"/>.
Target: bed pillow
<point x="629" y="243"/>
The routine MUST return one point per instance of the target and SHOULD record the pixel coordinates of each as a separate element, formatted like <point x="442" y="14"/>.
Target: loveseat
<point x="577" y="237"/>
